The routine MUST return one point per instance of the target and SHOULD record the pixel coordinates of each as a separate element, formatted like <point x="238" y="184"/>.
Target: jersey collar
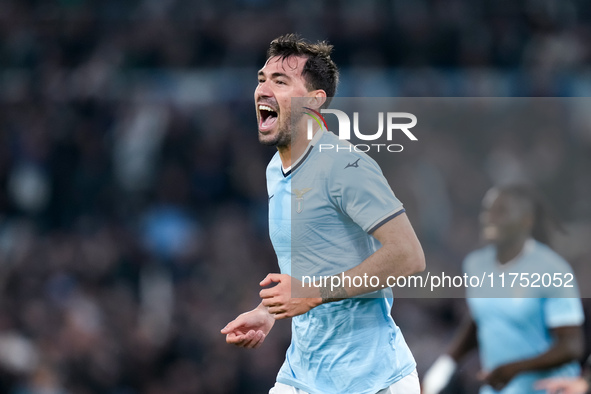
<point x="303" y="157"/>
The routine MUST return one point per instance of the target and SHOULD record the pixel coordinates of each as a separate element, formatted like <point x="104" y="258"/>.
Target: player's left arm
<point x="568" y="346"/>
<point x="401" y="254"/>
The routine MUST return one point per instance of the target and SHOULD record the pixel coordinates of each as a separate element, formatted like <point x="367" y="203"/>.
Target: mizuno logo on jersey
<point x="354" y="164"/>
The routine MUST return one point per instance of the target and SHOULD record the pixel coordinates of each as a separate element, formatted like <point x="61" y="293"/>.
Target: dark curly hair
<point x="319" y="72"/>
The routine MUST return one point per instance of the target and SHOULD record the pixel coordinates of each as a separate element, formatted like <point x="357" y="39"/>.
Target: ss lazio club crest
<point x="300" y="198"/>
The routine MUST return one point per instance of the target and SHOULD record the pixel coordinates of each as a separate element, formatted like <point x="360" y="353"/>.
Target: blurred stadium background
<point x="132" y="191"/>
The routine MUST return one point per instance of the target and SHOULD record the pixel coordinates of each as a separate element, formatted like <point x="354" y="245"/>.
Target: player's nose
<point x="263" y="90"/>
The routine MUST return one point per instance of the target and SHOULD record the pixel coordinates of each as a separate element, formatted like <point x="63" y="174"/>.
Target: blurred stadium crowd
<point x="132" y="191"/>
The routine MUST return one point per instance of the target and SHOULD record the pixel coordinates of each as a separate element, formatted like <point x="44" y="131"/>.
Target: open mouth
<point x="267" y="118"/>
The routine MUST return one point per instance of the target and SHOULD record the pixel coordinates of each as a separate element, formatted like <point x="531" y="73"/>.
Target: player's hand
<point x="250" y="329"/>
<point x="563" y="385"/>
<point x="280" y="301"/>
<point x="499" y="377"/>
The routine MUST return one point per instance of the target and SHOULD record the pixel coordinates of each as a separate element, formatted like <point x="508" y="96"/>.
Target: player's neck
<point x="509" y="250"/>
<point x="292" y="152"/>
<point x="285" y="155"/>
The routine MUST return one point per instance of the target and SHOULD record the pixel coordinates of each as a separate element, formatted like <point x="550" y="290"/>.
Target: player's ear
<point x="316" y="98"/>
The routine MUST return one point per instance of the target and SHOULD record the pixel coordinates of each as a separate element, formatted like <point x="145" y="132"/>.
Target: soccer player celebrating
<point x="534" y="334"/>
<point x="348" y="222"/>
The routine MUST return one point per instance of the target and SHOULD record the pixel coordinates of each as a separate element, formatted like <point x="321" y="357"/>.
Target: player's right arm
<point x="438" y="376"/>
<point x="568" y="346"/>
<point x="249" y="329"/>
<point x="465" y="340"/>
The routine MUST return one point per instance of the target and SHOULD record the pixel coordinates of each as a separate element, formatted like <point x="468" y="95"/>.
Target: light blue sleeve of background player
<point x="560" y="312"/>
<point x="362" y="192"/>
<point x="562" y="306"/>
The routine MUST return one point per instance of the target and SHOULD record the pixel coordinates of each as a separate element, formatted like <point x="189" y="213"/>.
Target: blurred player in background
<point x="339" y="344"/>
<point x="531" y="336"/>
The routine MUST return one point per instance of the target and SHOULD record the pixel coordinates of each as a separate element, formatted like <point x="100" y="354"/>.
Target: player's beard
<point x="284" y="136"/>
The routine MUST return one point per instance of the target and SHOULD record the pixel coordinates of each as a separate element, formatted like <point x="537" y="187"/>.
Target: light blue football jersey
<point x="321" y="214"/>
<point x="519" y="326"/>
